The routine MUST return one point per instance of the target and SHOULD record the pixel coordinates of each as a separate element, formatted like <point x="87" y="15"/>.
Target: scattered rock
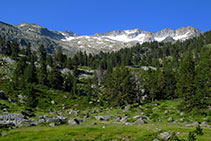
<point x="165" y="135"/>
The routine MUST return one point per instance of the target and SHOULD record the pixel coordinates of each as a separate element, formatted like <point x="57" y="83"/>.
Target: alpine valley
<point x="114" y="86"/>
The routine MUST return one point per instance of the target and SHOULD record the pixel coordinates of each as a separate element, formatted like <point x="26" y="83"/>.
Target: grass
<point x="91" y="132"/>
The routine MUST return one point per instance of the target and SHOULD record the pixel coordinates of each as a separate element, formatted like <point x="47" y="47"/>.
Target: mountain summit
<point x="71" y="42"/>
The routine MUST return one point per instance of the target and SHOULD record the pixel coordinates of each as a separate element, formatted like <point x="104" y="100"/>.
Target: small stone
<point x="170" y="119"/>
<point x="4" y="134"/>
<point x="182" y="119"/>
<point x="52" y="124"/>
<point x="167" y="111"/>
<point x="94" y="123"/>
<point x="52" y="102"/>
<point x="128" y="123"/>
<point x="182" y="114"/>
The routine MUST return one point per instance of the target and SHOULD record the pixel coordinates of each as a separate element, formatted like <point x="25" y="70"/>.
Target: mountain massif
<point x="71" y="42"/>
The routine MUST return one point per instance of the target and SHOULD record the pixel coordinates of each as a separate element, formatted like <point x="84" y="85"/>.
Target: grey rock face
<point x="165" y="32"/>
<point x="168" y="39"/>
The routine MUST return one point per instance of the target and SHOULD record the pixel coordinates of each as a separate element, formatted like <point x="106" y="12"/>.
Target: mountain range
<point x="71" y="42"/>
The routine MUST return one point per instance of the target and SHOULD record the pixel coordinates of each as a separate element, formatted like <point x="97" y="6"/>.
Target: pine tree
<point x="202" y="98"/>
<point x="121" y="87"/>
<point x="28" y="52"/>
<point x="60" y="58"/>
<point x="15" y="50"/>
<point x="68" y="82"/>
<point x="18" y="75"/>
<point x="30" y="73"/>
<point x="42" y="72"/>
<point x="56" y="79"/>
<point x="185" y="85"/>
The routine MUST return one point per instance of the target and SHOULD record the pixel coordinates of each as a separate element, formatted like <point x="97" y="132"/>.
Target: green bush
<point x="191" y="136"/>
<point x="198" y="130"/>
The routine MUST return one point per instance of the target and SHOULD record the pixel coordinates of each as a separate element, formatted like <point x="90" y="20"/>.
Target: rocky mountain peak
<point x="188" y="30"/>
<point x="29" y="25"/>
<point x="70" y="33"/>
<point x="165" y="32"/>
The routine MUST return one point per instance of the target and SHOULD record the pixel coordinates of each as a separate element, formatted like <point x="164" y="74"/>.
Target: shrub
<point x="191" y="136"/>
<point x="198" y="130"/>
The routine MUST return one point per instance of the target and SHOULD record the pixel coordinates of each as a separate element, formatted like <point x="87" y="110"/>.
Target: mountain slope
<point x="71" y="42"/>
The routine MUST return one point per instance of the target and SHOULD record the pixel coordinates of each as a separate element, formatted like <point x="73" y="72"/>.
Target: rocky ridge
<point x="71" y="42"/>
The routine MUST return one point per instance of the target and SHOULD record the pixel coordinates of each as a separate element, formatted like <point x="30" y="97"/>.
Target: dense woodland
<point x="179" y="70"/>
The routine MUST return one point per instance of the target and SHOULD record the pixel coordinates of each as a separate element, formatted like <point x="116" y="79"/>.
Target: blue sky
<point x="87" y="17"/>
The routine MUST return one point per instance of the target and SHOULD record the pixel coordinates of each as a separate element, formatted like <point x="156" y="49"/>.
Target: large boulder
<point x="124" y="119"/>
<point x="165" y="135"/>
<point x="140" y="121"/>
<point x="205" y="124"/>
<point x="3" y="96"/>
<point x="27" y="114"/>
<point x="103" y="118"/>
<point x="194" y="124"/>
<point x="170" y="119"/>
<point x="73" y="121"/>
<point x="140" y="117"/>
